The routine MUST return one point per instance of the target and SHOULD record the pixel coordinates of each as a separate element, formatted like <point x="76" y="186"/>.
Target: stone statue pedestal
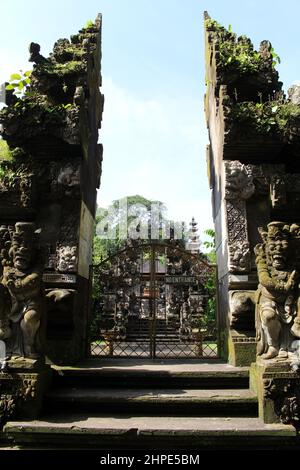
<point x="22" y="386"/>
<point x="241" y="348"/>
<point x="277" y="386"/>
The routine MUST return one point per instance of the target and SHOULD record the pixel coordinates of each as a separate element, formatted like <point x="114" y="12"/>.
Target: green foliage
<point x="7" y="174"/>
<point x="236" y="54"/>
<point x="208" y="321"/>
<point x="17" y="152"/>
<point x="5" y="153"/>
<point x="214" y="25"/>
<point x="104" y="248"/>
<point x="35" y="111"/>
<point x="210" y="245"/>
<point x="19" y="82"/>
<point x="89" y="24"/>
<point x="62" y="69"/>
<point x="240" y="56"/>
<point x="275" y="57"/>
<point x="76" y="52"/>
<point x="262" y="118"/>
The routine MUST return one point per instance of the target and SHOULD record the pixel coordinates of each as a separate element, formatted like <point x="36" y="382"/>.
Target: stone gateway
<point x="52" y="393"/>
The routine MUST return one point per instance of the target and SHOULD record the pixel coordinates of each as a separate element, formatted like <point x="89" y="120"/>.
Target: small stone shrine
<point x="48" y="183"/>
<point x="254" y="173"/>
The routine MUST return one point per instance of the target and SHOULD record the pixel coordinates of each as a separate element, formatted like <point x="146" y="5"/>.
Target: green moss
<point x="236" y="54"/>
<point x="77" y="52"/>
<point x="35" y="115"/>
<point x="18" y="153"/>
<point x="89" y="24"/>
<point x="5" y="153"/>
<point x="7" y="174"/>
<point x="61" y="70"/>
<point x="264" y="118"/>
<point x="213" y="25"/>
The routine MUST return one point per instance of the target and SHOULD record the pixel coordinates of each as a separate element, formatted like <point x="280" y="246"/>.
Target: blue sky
<point x="153" y="131"/>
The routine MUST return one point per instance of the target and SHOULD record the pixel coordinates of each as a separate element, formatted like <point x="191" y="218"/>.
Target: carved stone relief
<point x="14" y="392"/>
<point x="239" y="257"/>
<point x="21" y="292"/>
<point x="69" y="179"/>
<point x="278" y="191"/>
<point x="238" y="181"/>
<point x="67" y="258"/>
<point x="286" y="397"/>
<point x="242" y="310"/>
<point x="278" y="308"/>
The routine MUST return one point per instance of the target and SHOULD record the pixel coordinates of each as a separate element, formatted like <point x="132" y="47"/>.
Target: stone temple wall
<point x="254" y="171"/>
<point x="50" y="175"/>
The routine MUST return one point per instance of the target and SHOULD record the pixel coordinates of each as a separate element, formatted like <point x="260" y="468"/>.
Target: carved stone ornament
<point x="67" y="258"/>
<point x="242" y="309"/>
<point x="278" y="191"/>
<point x="18" y="188"/>
<point x="286" y="397"/>
<point x="69" y="179"/>
<point x="294" y="93"/>
<point x="278" y="301"/>
<point x="185" y="330"/>
<point x="21" y="291"/>
<point x="13" y="393"/>
<point x="239" y="181"/>
<point x="239" y="257"/>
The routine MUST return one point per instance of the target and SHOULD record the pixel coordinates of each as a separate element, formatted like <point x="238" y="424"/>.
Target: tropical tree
<point x="209" y="319"/>
<point x="125" y="218"/>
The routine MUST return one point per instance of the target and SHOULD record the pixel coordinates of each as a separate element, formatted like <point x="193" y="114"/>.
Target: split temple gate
<point x="48" y="180"/>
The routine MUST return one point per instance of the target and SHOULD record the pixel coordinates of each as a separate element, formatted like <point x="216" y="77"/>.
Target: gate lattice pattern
<point x="154" y="303"/>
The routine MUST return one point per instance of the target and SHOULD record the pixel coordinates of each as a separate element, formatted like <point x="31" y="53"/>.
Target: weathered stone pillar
<point x="254" y="172"/>
<point x="51" y="176"/>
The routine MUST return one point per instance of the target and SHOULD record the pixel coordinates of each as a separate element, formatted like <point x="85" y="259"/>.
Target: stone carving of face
<point x="67" y="258"/>
<point x="277" y="245"/>
<point x="23" y="245"/>
<point x="22" y="250"/>
<point x="239" y="183"/>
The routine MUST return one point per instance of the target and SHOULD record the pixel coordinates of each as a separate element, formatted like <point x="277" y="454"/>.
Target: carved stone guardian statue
<point x="278" y="307"/>
<point x="21" y="293"/>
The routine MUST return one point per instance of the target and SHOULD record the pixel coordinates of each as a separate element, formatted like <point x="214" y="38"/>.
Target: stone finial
<point x="193" y="244"/>
<point x="35" y="56"/>
<point x="265" y="49"/>
<point x="294" y="93"/>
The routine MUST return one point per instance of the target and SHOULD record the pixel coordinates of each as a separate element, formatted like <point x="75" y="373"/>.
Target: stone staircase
<point x="129" y="404"/>
<point x="138" y="330"/>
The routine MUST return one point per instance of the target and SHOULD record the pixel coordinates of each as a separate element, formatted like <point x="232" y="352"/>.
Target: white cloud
<point x="155" y="148"/>
<point x="12" y="64"/>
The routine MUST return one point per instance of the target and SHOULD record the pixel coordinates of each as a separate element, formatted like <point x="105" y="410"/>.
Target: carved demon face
<point x="24" y="245"/>
<point x="22" y="251"/>
<point x="277" y="245"/>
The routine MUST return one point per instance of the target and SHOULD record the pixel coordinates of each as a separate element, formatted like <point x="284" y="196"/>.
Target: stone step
<point x="174" y="401"/>
<point x="159" y="335"/>
<point x="139" y="374"/>
<point x="83" y="431"/>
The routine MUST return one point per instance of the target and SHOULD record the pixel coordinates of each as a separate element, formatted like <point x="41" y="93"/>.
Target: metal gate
<point x="156" y="300"/>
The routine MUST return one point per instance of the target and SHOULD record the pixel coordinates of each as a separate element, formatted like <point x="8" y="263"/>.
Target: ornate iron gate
<point x="156" y="301"/>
